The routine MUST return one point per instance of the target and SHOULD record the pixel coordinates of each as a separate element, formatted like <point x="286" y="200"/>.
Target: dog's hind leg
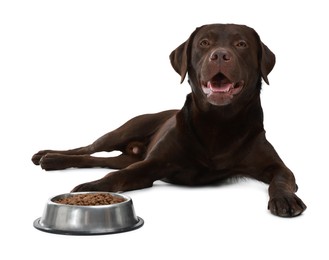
<point x="36" y="158"/>
<point x="134" y="152"/>
<point x="131" y="139"/>
<point x="53" y="161"/>
<point x="112" y="143"/>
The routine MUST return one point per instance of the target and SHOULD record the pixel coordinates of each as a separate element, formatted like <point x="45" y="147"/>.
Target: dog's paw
<point x="90" y="186"/>
<point x="53" y="161"/>
<point x="83" y="187"/>
<point x="286" y="205"/>
<point x="37" y="157"/>
<point x="104" y="184"/>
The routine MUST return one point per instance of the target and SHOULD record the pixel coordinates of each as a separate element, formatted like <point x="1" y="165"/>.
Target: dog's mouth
<point x="220" y="84"/>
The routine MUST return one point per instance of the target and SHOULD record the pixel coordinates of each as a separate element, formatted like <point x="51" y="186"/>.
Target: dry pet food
<point x="90" y="199"/>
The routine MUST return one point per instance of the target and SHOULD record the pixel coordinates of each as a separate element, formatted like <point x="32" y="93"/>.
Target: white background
<point x="70" y="71"/>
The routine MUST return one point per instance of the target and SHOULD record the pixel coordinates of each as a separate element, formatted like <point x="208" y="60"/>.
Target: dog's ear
<point x="180" y="57"/>
<point x="267" y="61"/>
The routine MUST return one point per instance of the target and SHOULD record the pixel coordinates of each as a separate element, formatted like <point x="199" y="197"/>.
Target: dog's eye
<point x="204" y="43"/>
<point x="241" y="44"/>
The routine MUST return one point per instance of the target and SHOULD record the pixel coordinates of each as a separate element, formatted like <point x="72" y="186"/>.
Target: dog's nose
<point x="220" y="55"/>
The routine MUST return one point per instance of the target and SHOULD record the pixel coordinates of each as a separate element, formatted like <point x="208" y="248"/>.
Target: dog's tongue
<point x="219" y="86"/>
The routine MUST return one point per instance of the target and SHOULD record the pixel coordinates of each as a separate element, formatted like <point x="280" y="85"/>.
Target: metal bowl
<point x="88" y="220"/>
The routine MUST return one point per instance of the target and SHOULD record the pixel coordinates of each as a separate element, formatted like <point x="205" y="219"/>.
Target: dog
<point x="218" y="133"/>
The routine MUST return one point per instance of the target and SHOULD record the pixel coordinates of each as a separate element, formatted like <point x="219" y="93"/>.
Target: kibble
<point x="90" y="199"/>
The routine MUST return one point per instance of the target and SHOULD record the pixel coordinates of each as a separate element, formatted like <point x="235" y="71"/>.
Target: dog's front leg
<point x="137" y="176"/>
<point x="283" y="200"/>
<point x="270" y="169"/>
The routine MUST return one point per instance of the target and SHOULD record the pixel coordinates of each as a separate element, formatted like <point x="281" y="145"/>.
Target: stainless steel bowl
<point x="88" y="220"/>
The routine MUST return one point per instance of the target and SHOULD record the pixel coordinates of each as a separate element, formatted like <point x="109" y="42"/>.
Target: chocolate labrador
<point x="218" y="133"/>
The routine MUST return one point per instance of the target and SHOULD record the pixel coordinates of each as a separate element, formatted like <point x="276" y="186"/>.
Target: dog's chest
<point x="219" y="150"/>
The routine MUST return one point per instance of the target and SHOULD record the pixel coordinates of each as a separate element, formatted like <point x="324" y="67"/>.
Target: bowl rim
<point x="70" y="194"/>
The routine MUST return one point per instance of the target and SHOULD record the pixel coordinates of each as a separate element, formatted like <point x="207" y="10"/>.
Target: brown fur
<point x="218" y="133"/>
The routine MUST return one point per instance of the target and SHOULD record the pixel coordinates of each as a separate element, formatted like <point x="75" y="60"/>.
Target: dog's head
<point x="224" y="62"/>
